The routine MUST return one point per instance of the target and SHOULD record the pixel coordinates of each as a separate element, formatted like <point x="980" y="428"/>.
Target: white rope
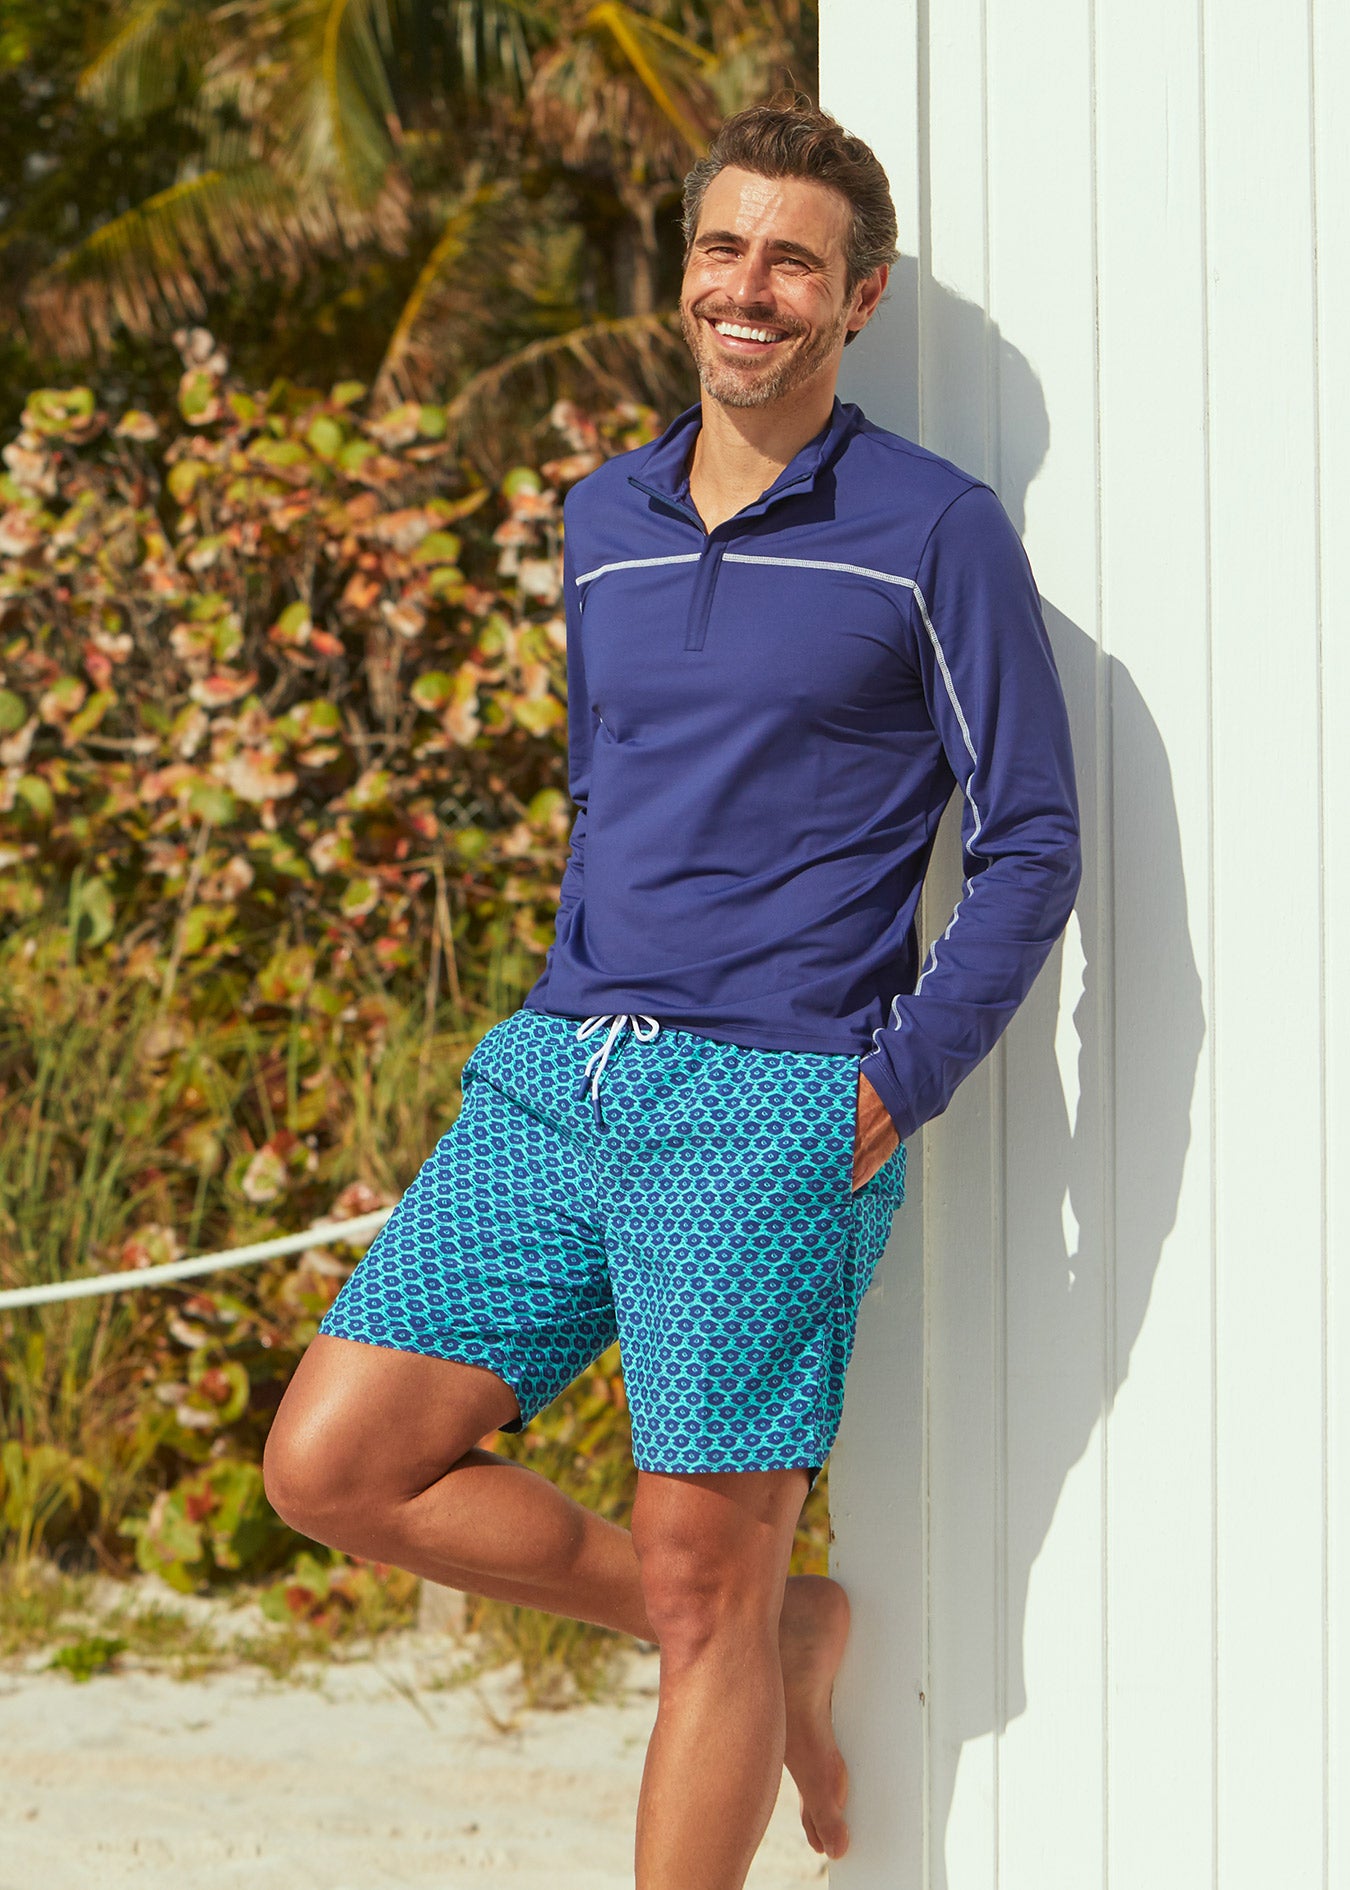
<point x="352" y="1231"/>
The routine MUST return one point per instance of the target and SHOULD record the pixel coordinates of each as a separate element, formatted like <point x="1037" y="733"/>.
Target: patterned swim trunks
<point x="698" y="1207"/>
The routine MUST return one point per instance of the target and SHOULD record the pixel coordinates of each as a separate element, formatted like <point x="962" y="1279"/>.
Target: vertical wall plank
<point x="963" y="1207"/>
<point x="877" y="1498"/>
<point x="1264" y="1005"/>
<point x="870" y="78"/>
<point x="1155" y="617"/>
<point x="958" y="362"/>
<point x="1330" y="50"/>
<point x="1041" y="296"/>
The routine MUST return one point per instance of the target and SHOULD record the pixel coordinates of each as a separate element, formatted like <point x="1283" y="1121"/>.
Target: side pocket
<point x="894" y="1170"/>
<point x="889" y="1179"/>
<point x="849" y="1137"/>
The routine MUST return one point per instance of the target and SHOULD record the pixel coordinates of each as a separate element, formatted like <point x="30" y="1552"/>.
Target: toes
<point x="825" y="1828"/>
<point x="835" y="1840"/>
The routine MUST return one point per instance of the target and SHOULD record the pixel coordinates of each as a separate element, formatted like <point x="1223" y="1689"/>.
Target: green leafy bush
<point x="342" y="1596"/>
<point x="44" y="1492"/>
<point x="215" y="1523"/>
<point x="282" y="814"/>
<point x="282" y="697"/>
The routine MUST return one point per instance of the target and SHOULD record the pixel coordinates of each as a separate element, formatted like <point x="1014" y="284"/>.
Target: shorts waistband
<point x="644" y="1028"/>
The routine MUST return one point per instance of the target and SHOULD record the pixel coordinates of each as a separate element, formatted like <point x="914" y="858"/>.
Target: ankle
<point x="813" y="1627"/>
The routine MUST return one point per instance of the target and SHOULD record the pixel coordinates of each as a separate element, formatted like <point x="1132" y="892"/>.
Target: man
<point x="790" y="633"/>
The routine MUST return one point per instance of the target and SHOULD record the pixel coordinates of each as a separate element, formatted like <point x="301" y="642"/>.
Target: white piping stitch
<point x="881" y="577"/>
<point x="822" y="564"/>
<point x="634" y="564"/>
<point x="969" y="847"/>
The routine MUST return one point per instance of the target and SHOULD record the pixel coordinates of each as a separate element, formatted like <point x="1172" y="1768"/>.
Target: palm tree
<point x="626" y="98"/>
<point x="295" y="146"/>
<point x="490" y="137"/>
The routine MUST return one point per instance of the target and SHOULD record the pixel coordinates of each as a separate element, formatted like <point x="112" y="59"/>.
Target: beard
<point x="754" y="383"/>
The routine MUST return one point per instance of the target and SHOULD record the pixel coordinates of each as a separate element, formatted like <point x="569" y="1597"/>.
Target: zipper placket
<point x="714" y="549"/>
<point x="705" y="583"/>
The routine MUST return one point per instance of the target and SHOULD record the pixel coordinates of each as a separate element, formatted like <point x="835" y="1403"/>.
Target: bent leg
<point x="373" y="1452"/>
<point x="483" y="1296"/>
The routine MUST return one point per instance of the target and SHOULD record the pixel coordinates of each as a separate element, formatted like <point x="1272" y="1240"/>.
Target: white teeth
<point x="745" y="334"/>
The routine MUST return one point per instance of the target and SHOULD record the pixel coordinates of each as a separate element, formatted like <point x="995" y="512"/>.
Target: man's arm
<point x="995" y="698"/>
<point x="580" y="736"/>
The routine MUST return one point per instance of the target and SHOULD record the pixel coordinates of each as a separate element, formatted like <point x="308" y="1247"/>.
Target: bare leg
<point x="713" y="1551"/>
<point x="373" y="1452"/>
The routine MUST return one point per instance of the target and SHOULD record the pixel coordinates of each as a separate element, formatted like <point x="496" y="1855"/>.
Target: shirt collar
<point x="664" y="472"/>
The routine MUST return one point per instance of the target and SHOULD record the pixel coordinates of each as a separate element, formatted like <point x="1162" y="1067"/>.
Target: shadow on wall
<point x="937" y="368"/>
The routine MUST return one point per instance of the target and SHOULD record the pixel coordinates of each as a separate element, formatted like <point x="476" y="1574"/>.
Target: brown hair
<point x="793" y="138"/>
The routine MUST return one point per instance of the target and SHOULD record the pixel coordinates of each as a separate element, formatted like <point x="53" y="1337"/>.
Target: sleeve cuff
<point x="875" y="1069"/>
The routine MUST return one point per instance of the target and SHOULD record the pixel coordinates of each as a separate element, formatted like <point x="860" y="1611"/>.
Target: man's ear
<point x="866" y="297"/>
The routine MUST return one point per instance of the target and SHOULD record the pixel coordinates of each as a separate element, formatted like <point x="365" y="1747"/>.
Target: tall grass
<point x="126" y="1133"/>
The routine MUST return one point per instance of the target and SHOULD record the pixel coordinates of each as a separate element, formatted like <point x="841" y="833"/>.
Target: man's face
<point x="763" y="304"/>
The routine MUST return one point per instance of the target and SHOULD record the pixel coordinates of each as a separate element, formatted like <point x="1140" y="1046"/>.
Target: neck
<point x="740" y="451"/>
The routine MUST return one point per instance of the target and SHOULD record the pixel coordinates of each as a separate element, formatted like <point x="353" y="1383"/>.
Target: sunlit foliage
<point x="410" y="190"/>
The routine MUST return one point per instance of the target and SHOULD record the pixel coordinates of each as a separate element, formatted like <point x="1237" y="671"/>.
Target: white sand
<point x="366" y="1779"/>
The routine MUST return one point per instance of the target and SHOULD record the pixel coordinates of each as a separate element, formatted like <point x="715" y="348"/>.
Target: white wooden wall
<point x="1092" y="1497"/>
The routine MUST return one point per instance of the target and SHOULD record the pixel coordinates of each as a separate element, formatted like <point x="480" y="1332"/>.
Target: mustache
<point x="748" y="317"/>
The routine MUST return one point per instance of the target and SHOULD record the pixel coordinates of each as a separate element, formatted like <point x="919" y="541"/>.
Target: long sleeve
<point x="580" y="735"/>
<point x="996" y="703"/>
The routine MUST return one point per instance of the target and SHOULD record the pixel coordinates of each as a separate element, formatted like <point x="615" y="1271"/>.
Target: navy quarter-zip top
<point x="765" y="723"/>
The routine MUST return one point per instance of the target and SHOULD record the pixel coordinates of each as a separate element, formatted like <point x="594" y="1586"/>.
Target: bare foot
<point x="811" y="1637"/>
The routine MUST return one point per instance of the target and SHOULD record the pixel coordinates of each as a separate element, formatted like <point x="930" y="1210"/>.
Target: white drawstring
<point x="599" y="1058"/>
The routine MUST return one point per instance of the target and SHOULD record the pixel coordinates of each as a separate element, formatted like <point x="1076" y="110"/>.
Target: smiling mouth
<point x="747" y="334"/>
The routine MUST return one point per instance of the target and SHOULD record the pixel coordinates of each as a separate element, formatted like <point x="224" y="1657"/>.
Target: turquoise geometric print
<point x="705" y="1219"/>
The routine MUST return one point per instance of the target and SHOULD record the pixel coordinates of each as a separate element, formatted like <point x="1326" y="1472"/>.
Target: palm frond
<point x="496" y="414"/>
<point x="761" y="48"/>
<point x="154" y="265"/>
<point x="682" y="42"/>
<point x="751" y="48"/>
<point x="494" y="42"/>
<point x="139" y="68"/>
<point x="402" y="371"/>
<point x="664" y="60"/>
<point x="336" y="104"/>
<point x="500" y="275"/>
<point x="594" y="112"/>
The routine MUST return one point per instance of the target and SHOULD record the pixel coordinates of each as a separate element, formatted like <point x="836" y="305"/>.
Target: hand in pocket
<point x="875" y="1137"/>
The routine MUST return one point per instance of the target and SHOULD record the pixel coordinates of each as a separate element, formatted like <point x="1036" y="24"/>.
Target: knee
<point x="318" y="1490"/>
<point x="695" y="1595"/>
<point x="306" y="1488"/>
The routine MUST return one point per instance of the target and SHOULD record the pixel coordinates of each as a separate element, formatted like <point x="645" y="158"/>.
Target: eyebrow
<point x="782" y="244"/>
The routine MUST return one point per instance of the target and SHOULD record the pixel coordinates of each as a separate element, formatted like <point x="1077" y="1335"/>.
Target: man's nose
<point x="750" y="281"/>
